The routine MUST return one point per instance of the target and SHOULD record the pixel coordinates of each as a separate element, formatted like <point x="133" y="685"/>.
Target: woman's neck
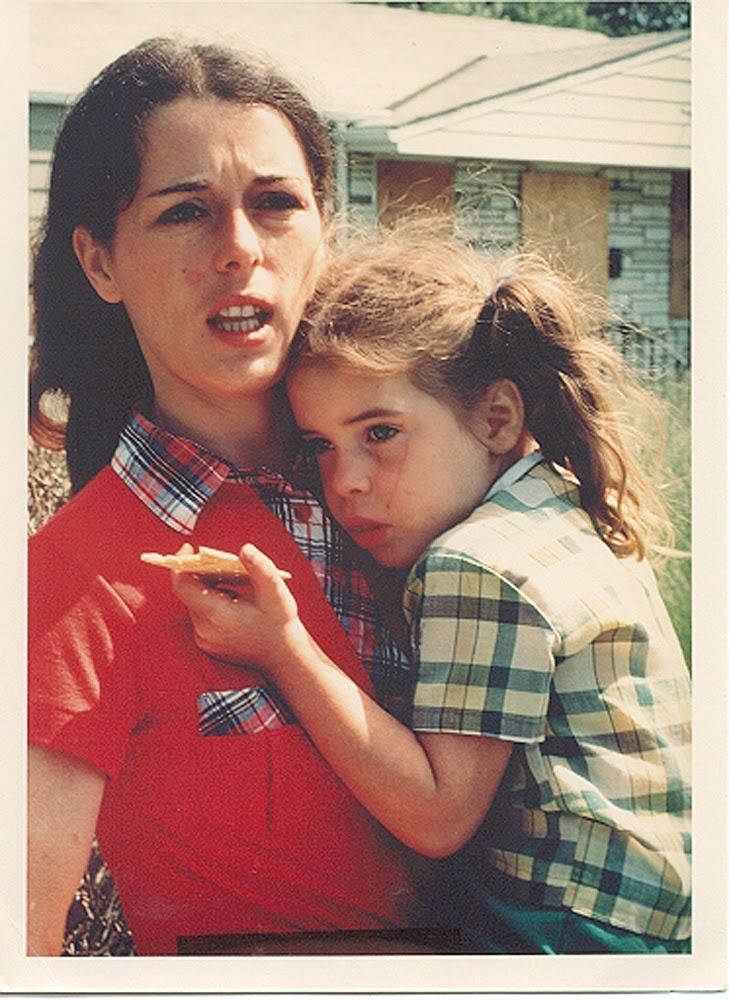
<point x="246" y="433"/>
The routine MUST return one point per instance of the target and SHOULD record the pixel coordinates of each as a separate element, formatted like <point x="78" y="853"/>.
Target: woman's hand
<point x="256" y="624"/>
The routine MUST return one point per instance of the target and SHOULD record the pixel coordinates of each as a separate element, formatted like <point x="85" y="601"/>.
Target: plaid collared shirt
<point x="175" y="478"/>
<point x="526" y="627"/>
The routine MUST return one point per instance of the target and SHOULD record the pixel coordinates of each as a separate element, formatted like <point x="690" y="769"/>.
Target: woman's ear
<point x="500" y="416"/>
<point x="95" y="261"/>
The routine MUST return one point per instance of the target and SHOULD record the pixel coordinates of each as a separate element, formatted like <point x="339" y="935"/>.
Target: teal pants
<point x="507" y="929"/>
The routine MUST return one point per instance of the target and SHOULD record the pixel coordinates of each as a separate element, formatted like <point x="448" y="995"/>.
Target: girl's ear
<point x="95" y="261"/>
<point x="500" y="414"/>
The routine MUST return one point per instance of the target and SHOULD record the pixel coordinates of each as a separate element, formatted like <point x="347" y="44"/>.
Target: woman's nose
<point x="238" y="247"/>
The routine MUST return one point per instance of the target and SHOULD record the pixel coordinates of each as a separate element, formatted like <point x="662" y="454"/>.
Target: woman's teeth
<point x="240" y="319"/>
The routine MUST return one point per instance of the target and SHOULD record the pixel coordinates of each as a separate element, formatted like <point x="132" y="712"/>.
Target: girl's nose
<point x="238" y="247"/>
<point x="350" y="475"/>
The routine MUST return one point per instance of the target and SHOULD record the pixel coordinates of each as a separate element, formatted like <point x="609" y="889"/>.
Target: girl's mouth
<point x="367" y="534"/>
<point x="240" y="318"/>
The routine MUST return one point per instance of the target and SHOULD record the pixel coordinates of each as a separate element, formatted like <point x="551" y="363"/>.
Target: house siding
<point x="39" y="173"/>
<point x="362" y="189"/>
<point x="44" y="122"/>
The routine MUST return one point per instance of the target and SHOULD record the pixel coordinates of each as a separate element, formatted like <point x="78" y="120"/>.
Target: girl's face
<point x="397" y="466"/>
<point x="218" y="252"/>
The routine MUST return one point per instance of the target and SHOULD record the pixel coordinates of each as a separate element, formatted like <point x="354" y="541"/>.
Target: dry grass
<point x="48" y="484"/>
<point x="674" y="577"/>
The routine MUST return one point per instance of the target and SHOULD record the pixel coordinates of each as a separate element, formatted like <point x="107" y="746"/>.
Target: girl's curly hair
<point x="417" y="301"/>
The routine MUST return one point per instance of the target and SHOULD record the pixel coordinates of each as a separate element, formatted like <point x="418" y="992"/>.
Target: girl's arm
<point x="64" y="796"/>
<point x="431" y="790"/>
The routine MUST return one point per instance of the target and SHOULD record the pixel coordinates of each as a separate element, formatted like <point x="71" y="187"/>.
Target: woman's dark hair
<point x="85" y="348"/>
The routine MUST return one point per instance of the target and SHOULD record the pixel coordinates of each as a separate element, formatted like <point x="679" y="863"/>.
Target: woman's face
<point x="218" y="252"/>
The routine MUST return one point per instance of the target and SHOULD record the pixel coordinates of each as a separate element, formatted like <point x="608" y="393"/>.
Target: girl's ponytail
<point x="573" y="385"/>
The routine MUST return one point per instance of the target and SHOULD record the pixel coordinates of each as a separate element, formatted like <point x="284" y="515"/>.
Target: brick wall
<point x="640" y="226"/>
<point x="487" y="202"/>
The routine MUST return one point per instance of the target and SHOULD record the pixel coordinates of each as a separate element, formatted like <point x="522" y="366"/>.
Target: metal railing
<point x="653" y="354"/>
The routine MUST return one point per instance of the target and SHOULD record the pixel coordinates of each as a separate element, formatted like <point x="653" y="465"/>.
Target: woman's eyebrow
<point x="272" y="178"/>
<point x="202" y="185"/>
<point x="264" y="179"/>
<point x="179" y="188"/>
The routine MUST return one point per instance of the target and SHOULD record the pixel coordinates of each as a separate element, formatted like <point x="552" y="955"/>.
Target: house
<point x="584" y="152"/>
<point x="549" y="137"/>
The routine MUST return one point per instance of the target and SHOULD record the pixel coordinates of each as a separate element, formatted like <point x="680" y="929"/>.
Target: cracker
<point x="224" y="566"/>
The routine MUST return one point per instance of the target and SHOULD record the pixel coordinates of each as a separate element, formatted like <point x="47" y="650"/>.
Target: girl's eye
<point x="316" y="446"/>
<point x="277" y="201"/>
<point x="187" y="211"/>
<point x="381" y="432"/>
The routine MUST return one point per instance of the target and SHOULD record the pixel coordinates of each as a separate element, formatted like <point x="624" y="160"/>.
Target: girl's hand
<point x="255" y="626"/>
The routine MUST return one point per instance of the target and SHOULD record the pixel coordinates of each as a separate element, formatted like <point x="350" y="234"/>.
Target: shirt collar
<point x="174" y="476"/>
<point x="514" y="473"/>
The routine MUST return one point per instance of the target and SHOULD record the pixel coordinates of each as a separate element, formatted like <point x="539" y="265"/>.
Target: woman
<point x="184" y="235"/>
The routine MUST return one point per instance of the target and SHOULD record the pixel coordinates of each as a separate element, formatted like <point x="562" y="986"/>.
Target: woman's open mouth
<point x="239" y="315"/>
<point x="240" y="319"/>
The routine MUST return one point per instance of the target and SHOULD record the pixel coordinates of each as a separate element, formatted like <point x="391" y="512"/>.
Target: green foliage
<point x="557" y="15"/>
<point x="611" y="18"/>
<point x="633" y="18"/>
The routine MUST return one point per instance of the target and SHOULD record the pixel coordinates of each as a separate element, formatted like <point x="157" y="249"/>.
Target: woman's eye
<point x="277" y="201"/>
<point x="185" y="212"/>
<point x="316" y="446"/>
<point x="381" y="432"/>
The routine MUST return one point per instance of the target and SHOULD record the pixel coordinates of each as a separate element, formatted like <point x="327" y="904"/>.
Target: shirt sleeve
<point x="483" y="653"/>
<point x="80" y="696"/>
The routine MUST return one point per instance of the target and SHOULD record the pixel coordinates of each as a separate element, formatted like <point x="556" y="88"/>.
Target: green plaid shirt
<point x="526" y="627"/>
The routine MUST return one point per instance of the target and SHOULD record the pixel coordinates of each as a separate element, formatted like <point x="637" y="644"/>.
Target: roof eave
<point x="540" y="85"/>
<point x="547" y="150"/>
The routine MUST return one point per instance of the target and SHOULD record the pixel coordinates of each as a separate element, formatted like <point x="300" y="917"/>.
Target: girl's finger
<point x="210" y="610"/>
<point x="271" y="592"/>
<point x="191" y="591"/>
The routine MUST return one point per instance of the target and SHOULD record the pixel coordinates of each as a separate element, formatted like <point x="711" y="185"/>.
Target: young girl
<point x="462" y="418"/>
